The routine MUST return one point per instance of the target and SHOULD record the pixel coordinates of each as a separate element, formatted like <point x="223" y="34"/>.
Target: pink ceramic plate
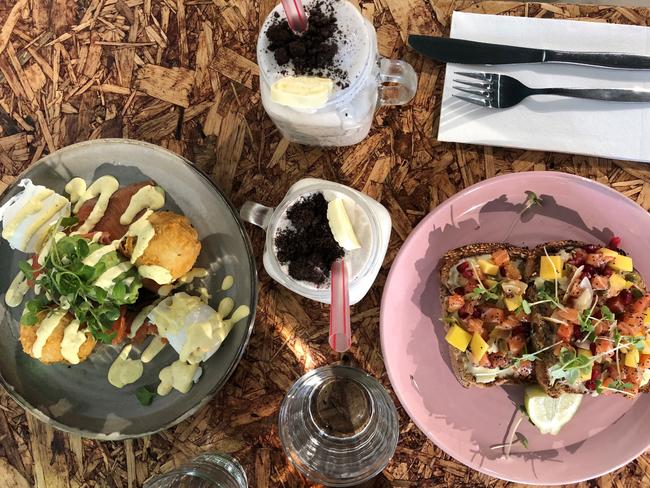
<point x="607" y="432"/>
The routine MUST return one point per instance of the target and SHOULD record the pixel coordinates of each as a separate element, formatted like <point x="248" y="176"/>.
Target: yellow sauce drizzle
<point x="160" y="275"/>
<point x="203" y="293"/>
<point x="242" y="312"/>
<point x="188" y="277"/>
<point x="139" y="320"/>
<point x="149" y="196"/>
<point x="225" y="306"/>
<point x="165" y="290"/>
<point x="193" y="274"/>
<point x="104" y="187"/>
<point x="125" y="371"/>
<point x="107" y="278"/>
<point x="17" y="290"/>
<point x="227" y="283"/>
<point x="45" y="330"/>
<point x="170" y="314"/>
<point x="34" y="205"/>
<point x="72" y="341"/>
<point x="179" y="375"/>
<point x="42" y="220"/>
<point x="144" y="232"/>
<point x="76" y="187"/>
<point x="155" y="346"/>
<point x="93" y="258"/>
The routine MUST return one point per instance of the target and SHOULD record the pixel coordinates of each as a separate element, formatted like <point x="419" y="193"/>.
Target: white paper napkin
<point x="550" y="123"/>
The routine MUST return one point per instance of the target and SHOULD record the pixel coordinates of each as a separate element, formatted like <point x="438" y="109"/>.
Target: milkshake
<point x="323" y="86"/>
<point x="317" y="223"/>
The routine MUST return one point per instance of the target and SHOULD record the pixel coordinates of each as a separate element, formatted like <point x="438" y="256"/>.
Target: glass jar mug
<point x="371" y="219"/>
<point x="345" y="118"/>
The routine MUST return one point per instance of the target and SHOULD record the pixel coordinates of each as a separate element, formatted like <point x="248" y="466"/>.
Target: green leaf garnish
<point x="607" y="313"/>
<point x="70" y="285"/>
<point x="480" y="292"/>
<point x="522" y="438"/>
<point x="68" y="221"/>
<point x="636" y="293"/>
<point x="29" y="318"/>
<point x="532" y="200"/>
<point x="145" y="395"/>
<point x="26" y="269"/>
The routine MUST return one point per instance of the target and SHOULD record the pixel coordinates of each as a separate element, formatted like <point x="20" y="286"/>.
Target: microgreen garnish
<point x="570" y="366"/>
<point x="556" y="274"/>
<point x="69" y="284"/>
<point x="480" y="292"/>
<point x="607" y="313"/>
<point x="617" y="386"/>
<point x="145" y="395"/>
<point x="588" y="323"/>
<point x="531" y="200"/>
<point x="547" y="298"/>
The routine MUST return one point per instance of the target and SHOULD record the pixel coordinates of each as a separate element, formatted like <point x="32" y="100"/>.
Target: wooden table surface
<point x="182" y="74"/>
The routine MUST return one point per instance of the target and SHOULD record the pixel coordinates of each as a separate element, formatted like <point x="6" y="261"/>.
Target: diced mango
<point x="587" y="375"/>
<point x="487" y="267"/>
<point x="513" y="303"/>
<point x="478" y="347"/>
<point x="490" y="283"/>
<point x="632" y="358"/>
<point x="618" y="283"/>
<point x="607" y="252"/>
<point x="622" y="264"/>
<point x="458" y="337"/>
<point x="550" y="267"/>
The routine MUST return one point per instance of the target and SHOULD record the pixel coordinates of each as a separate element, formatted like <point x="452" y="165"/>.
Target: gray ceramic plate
<point x="79" y="398"/>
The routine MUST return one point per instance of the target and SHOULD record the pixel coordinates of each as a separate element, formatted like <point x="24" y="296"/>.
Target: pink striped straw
<point x="340" y="336"/>
<point x="296" y="16"/>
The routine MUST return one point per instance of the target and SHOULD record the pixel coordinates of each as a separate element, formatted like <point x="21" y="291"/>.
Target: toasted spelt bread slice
<point x="459" y="360"/>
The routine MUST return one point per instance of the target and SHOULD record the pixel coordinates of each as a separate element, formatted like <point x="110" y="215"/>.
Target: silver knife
<point x="448" y="50"/>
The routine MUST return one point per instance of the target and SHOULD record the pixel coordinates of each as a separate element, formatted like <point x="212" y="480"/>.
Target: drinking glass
<point x="271" y="219"/>
<point x="209" y="470"/>
<point x="346" y="117"/>
<point x="338" y="426"/>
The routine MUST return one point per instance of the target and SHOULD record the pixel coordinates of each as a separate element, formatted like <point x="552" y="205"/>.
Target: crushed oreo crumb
<point x="308" y="247"/>
<point x="311" y="53"/>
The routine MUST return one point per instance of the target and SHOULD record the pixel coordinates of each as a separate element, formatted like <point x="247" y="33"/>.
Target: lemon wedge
<point x="547" y="413"/>
<point x="302" y="91"/>
<point x="341" y="226"/>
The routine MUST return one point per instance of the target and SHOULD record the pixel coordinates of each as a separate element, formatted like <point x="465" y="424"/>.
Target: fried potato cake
<point x="51" y="353"/>
<point x="174" y="246"/>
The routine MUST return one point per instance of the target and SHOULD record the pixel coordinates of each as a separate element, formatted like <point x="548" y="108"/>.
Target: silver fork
<point x="500" y="91"/>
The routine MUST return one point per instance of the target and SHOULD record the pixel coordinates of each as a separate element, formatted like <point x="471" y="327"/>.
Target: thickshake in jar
<point x="322" y="87"/>
<point x="300" y="244"/>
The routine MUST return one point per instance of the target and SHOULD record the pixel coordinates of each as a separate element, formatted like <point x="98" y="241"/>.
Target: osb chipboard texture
<point x="182" y="74"/>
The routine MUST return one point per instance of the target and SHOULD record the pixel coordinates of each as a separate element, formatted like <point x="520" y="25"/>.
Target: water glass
<point x="209" y="470"/>
<point x="338" y="426"/>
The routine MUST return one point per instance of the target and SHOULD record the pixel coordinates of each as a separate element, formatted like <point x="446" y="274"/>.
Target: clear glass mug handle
<point x="256" y="214"/>
<point x="398" y="82"/>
